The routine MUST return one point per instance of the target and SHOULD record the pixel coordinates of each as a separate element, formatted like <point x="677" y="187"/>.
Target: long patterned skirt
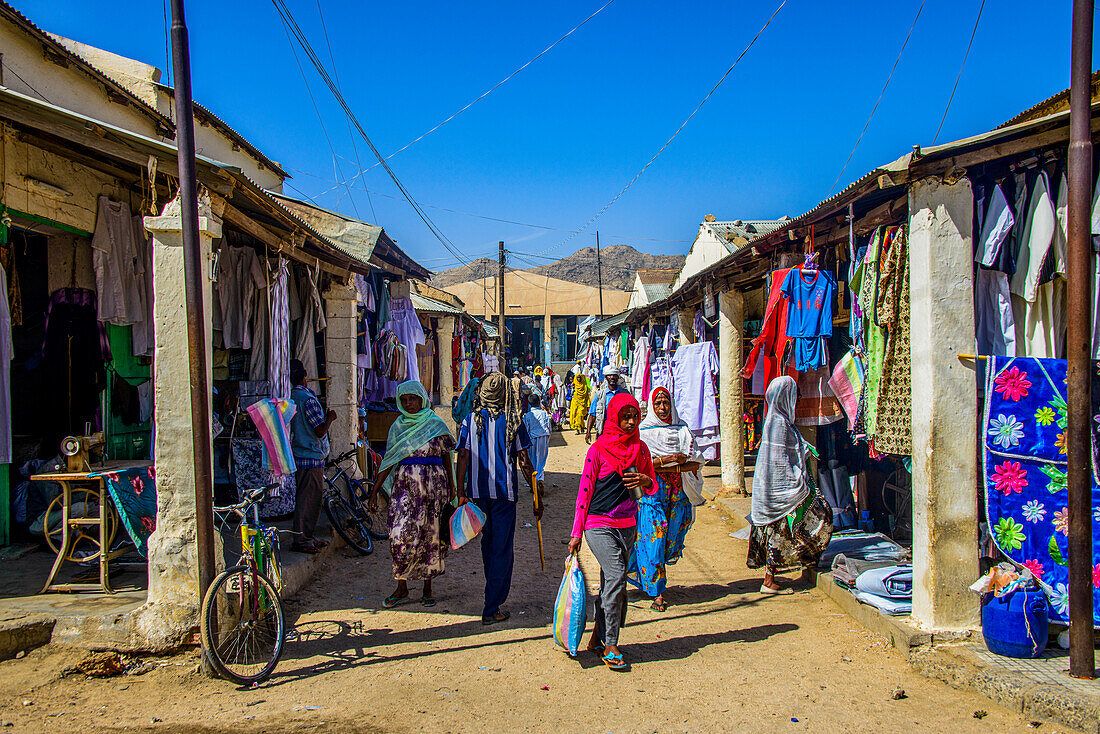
<point x="664" y="519"/>
<point x="794" y="542"/>
<point x="416" y="506"/>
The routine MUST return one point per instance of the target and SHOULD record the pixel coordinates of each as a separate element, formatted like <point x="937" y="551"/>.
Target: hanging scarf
<point x="411" y="430"/>
<point x="618" y="448"/>
<point x="780" y="483"/>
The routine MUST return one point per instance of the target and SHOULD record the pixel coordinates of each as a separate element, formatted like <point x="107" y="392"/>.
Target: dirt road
<point x="722" y="658"/>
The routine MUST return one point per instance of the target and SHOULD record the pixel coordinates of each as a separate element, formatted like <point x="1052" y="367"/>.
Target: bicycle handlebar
<point x="251" y="497"/>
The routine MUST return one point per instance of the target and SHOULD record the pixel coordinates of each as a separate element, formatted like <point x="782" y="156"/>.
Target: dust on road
<point x="722" y="658"/>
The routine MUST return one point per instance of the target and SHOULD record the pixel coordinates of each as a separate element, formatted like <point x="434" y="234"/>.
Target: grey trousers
<point x="612" y="548"/>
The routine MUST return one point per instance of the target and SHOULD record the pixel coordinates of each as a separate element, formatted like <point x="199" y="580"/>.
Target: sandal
<point x="392" y="601"/>
<point x="659" y="606"/>
<point x="427" y="601"/>
<point x="775" y="592"/>
<point x="615" y="662"/>
<point x="310" y="548"/>
<point x="493" y="619"/>
<point x="596" y="647"/>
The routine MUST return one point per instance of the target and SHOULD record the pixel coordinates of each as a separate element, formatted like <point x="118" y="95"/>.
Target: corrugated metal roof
<point x="600" y="328"/>
<point x="430" y="305"/>
<point x="1059" y="99"/>
<point x="491" y="330"/>
<point x="656" y="291"/>
<point x="734" y="234"/>
<point x="354" y="238"/>
<point x="657" y="275"/>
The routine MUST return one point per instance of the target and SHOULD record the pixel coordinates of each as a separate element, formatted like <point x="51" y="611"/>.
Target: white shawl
<point x="780" y="483"/>
<point x="674" y="437"/>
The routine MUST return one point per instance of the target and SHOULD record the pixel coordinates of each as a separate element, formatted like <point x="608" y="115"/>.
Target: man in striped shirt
<point x="491" y="441"/>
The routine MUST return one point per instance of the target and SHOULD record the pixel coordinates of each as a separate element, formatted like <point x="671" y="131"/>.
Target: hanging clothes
<point x="694" y="367"/>
<point x="278" y="367"/>
<point x="1039" y="308"/>
<point x="119" y="272"/>
<point x="7" y="351"/>
<point x="765" y="360"/>
<point x="312" y="321"/>
<point x="405" y="324"/>
<point x="239" y="281"/>
<point x="810" y="296"/>
<point x="640" y="366"/>
<point x="75" y="351"/>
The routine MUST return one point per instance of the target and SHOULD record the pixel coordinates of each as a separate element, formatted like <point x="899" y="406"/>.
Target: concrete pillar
<point x="687" y="326"/>
<point x="173" y="569"/>
<point x="731" y="327"/>
<point x="446" y="332"/>
<point x="945" y="511"/>
<point x="341" y="369"/>
<point x="546" y="339"/>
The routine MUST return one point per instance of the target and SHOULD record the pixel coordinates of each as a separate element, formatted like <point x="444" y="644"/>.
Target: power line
<point x="483" y="95"/>
<point x="486" y="217"/>
<point x="292" y="25"/>
<point x="351" y="135"/>
<point x="877" y="101"/>
<point x="668" y="142"/>
<point x="320" y="120"/>
<point x="959" y="77"/>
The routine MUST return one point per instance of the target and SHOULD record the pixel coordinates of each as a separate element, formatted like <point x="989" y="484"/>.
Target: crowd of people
<point x="639" y="485"/>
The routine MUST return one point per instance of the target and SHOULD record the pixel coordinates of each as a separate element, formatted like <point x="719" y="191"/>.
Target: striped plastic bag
<point x="570" y="608"/>
<point x="466" y="523"/>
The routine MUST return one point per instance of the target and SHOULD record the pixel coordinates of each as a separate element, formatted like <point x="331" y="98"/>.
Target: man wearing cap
<point x="597" y="411"/>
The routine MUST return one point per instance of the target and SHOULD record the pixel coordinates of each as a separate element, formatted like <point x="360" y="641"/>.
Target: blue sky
<point x="558" y="141"/>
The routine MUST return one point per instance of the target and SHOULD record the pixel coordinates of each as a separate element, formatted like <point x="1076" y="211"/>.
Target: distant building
<point x="652" y="285"/>
<point x="541" y="313"/>
<point x="717" y="240"/>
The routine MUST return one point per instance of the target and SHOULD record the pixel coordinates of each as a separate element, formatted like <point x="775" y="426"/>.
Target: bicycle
<point x="346" y="503"/>
<point x="241" y="621"/>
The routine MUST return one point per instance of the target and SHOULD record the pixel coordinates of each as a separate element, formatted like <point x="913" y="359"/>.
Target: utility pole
<point x="599" y="271"/>
<point x="193" y="273"/>
<point x="1082" y="663"/>
<point x="500" y="301"/>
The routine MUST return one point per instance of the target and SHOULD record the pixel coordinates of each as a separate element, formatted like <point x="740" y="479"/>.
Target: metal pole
<point x="599" y="271"/>
<point x="1078" y="351"/>
<point x="193" y="273"/>
<point x="500" y="304"/>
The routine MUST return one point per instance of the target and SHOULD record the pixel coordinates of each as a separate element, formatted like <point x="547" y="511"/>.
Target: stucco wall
<point x="85" y="185"/>
<point x="705" y="251"/>
<point x="28" y="72"/>
<point x="537" y="295"/>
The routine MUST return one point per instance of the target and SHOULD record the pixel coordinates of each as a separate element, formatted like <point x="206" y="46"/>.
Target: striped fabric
<point x="272" y="419"/>
<point x="493" y="473"/>
<point x="278" y="366"/>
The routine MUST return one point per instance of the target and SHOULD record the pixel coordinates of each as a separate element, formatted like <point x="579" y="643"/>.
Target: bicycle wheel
<point x="345" y="522"/>
<point x="377" y="524"/>
<point x="242" y="625"/>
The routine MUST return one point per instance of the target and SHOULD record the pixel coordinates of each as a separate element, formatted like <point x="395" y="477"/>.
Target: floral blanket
<point x="1025" y="471"/>
<point x="134" y="493"/>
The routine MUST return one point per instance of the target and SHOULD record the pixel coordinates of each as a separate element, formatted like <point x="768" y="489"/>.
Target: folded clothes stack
<point x="888" y="589"/>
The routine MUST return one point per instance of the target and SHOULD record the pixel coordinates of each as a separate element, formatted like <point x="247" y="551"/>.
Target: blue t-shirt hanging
<point x="809" y="315"/>
<point x="810" y="309"/>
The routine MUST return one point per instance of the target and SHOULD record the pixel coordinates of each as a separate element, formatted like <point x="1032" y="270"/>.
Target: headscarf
<point x="499" y="396"/>
<point x="580" y="387"/>
<point x="662" y="437"/>
<point x="780" y="483"/>
<point x="618" y="448"/>
<point x="411" y="430"/>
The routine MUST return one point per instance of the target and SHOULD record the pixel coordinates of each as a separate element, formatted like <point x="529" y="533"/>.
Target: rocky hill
<point x="620" y="263"/>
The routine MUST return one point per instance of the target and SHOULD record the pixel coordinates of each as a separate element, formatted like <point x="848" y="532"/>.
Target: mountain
<point x="619" y="264"/>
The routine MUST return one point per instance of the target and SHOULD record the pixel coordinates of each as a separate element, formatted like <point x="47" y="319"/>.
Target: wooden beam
<point x="249" y="226"/>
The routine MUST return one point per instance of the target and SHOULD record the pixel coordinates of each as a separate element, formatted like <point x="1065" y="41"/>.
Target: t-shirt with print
<point x="810" y="308"/>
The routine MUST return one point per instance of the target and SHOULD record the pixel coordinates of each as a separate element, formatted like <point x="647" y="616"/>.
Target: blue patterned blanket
<point x="1025" y="472"/>
<point x="134" y="493"/>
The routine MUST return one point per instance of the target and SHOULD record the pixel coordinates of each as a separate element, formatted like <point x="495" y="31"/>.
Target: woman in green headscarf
<point x="416" y="473"/>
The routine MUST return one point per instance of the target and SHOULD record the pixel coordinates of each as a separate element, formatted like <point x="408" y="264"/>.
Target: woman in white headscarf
<point x="666" y="513"/>
<point x="791" y="524"/>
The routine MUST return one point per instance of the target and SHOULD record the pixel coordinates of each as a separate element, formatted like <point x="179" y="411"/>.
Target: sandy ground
<point x="722" y="658"/>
